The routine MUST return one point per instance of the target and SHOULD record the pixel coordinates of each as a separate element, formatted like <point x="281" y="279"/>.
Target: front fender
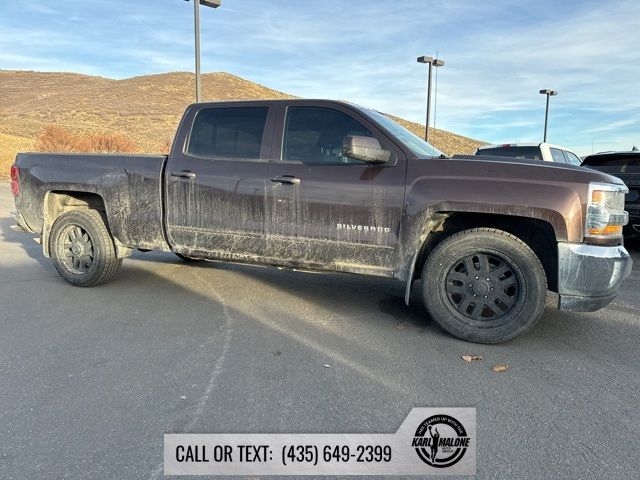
<point x="431" y="199"/>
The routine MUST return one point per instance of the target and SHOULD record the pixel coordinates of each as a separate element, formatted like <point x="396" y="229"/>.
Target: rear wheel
<point x="484" y="285"/>
<point x="82" y="249"/>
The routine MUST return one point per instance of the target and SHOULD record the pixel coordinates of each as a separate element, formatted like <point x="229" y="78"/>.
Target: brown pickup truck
<point x="324" y="185"/>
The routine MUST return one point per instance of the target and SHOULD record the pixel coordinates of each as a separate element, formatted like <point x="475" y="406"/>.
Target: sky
<point x="498" y="54"/>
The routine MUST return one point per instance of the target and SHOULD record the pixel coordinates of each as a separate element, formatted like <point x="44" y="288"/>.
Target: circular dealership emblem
<point x="441" y="441"/>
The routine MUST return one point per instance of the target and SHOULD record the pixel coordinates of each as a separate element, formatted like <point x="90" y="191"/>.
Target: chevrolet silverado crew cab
<point x="533" y="151"/>
<point x="324" y="185"/>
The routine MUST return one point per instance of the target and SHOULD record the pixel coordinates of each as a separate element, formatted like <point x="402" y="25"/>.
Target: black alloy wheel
<point x="482" y="286"/>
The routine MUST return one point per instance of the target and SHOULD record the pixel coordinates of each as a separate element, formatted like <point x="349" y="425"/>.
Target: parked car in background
<point x="626" y="166"/>
<point x="532" y="151"/>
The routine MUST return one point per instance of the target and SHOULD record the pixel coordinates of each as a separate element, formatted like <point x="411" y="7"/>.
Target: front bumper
<point x="589" y="276"/>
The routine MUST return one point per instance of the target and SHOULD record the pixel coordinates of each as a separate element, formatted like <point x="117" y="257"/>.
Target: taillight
<point x="15" y="183"/>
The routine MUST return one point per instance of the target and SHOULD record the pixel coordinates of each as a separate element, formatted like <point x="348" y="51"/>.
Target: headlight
<point x="605" y="210"/>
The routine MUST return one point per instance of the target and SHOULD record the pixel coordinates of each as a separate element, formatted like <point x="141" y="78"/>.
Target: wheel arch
<point x="538" y="234"/>
<point x="57" y="202"/>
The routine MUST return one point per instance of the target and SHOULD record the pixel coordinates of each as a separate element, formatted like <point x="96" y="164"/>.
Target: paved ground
<point x="90" y="379"/>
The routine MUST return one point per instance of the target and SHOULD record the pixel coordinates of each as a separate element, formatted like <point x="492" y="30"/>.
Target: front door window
<point x="315" y="135"/>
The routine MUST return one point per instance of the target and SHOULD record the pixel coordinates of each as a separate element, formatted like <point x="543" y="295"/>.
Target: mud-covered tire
<point x="188" y="259"/>
<point x="484" y="285"/>
<point x="82" y="248"/>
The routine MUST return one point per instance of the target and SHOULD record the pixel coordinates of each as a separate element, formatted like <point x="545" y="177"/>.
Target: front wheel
<point x="82" y="249"/>
<point x="484" y="285"/>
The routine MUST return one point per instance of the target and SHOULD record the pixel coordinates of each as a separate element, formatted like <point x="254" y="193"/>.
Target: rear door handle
<point x="183" y="174"/>
<point x="289" y="179"/>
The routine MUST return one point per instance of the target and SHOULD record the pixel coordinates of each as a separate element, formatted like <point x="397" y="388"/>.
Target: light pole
<point x="196" y="29"/>
<point x="432" y="63"/>
<point x="549" y="93"/>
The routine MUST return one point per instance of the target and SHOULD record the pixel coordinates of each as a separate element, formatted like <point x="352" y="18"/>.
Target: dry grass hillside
<point x="145" y="109"/>
<point x="9" y="146"/>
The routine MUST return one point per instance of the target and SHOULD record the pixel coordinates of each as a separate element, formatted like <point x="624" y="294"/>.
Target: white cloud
<point x="614" y="126"/>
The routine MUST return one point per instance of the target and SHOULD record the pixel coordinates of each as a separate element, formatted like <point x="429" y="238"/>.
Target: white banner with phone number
<point x="430" y="441"/>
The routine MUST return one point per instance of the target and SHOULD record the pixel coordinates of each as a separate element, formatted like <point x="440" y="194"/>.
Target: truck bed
<point x="130" y="187"/>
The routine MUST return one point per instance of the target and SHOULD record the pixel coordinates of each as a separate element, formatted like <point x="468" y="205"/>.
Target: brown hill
<point x="146" y="109"/>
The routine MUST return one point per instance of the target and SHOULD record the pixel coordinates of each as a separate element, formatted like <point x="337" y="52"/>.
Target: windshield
<point x="418" y="146"/>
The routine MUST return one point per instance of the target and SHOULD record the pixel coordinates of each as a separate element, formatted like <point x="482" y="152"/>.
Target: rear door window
<point x="228" y="132"/>
<point x="557" y="155"/>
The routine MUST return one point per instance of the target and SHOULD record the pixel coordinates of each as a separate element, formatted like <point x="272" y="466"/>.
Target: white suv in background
<point x="532" y="151"/>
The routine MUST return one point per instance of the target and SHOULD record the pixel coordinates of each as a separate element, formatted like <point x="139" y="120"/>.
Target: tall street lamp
<point x="433" y="62"/>
<point x="196" y="29"/>
<point x="549" y="93"/>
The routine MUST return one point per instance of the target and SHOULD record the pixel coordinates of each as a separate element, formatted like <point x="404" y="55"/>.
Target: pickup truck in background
<point x="626" y="166"/>
<point x="533" y="151"/>
<point x="325" y="185"/>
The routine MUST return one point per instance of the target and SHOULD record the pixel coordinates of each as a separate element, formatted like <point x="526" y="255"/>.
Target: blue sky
<point x="498" y="54"/>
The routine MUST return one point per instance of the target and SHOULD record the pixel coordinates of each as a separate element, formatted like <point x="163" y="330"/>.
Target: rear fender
<point x="56" y="203"/>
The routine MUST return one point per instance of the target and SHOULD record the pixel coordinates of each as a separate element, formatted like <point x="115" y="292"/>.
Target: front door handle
<point x="183" y="174"/>
<point x="289" y="179"/>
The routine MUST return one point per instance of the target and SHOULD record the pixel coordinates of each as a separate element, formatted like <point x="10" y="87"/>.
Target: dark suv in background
<point x="626" y="166"/>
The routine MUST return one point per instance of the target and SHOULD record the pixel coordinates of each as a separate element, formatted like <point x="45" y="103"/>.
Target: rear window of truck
<point x="532" y="153"/>
<point x="612" y="160"/>
<point x="228" y="133"/>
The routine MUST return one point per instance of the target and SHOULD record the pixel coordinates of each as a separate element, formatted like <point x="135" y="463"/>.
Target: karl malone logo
<point x="441" y="441"/>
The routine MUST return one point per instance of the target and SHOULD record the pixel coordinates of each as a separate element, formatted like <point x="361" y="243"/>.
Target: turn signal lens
<point x="596" y="197"/>
<point x="609" y="231"/>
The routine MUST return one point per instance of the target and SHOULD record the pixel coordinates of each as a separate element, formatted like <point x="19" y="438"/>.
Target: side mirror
<point x="367" y="149"/>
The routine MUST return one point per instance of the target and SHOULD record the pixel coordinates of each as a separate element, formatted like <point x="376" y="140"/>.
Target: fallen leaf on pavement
<point x="499" y="368"/>
<point x="471" y="358"/>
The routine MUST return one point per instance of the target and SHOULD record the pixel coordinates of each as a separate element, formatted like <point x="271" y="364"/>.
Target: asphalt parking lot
<point x="90" y="379"/>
